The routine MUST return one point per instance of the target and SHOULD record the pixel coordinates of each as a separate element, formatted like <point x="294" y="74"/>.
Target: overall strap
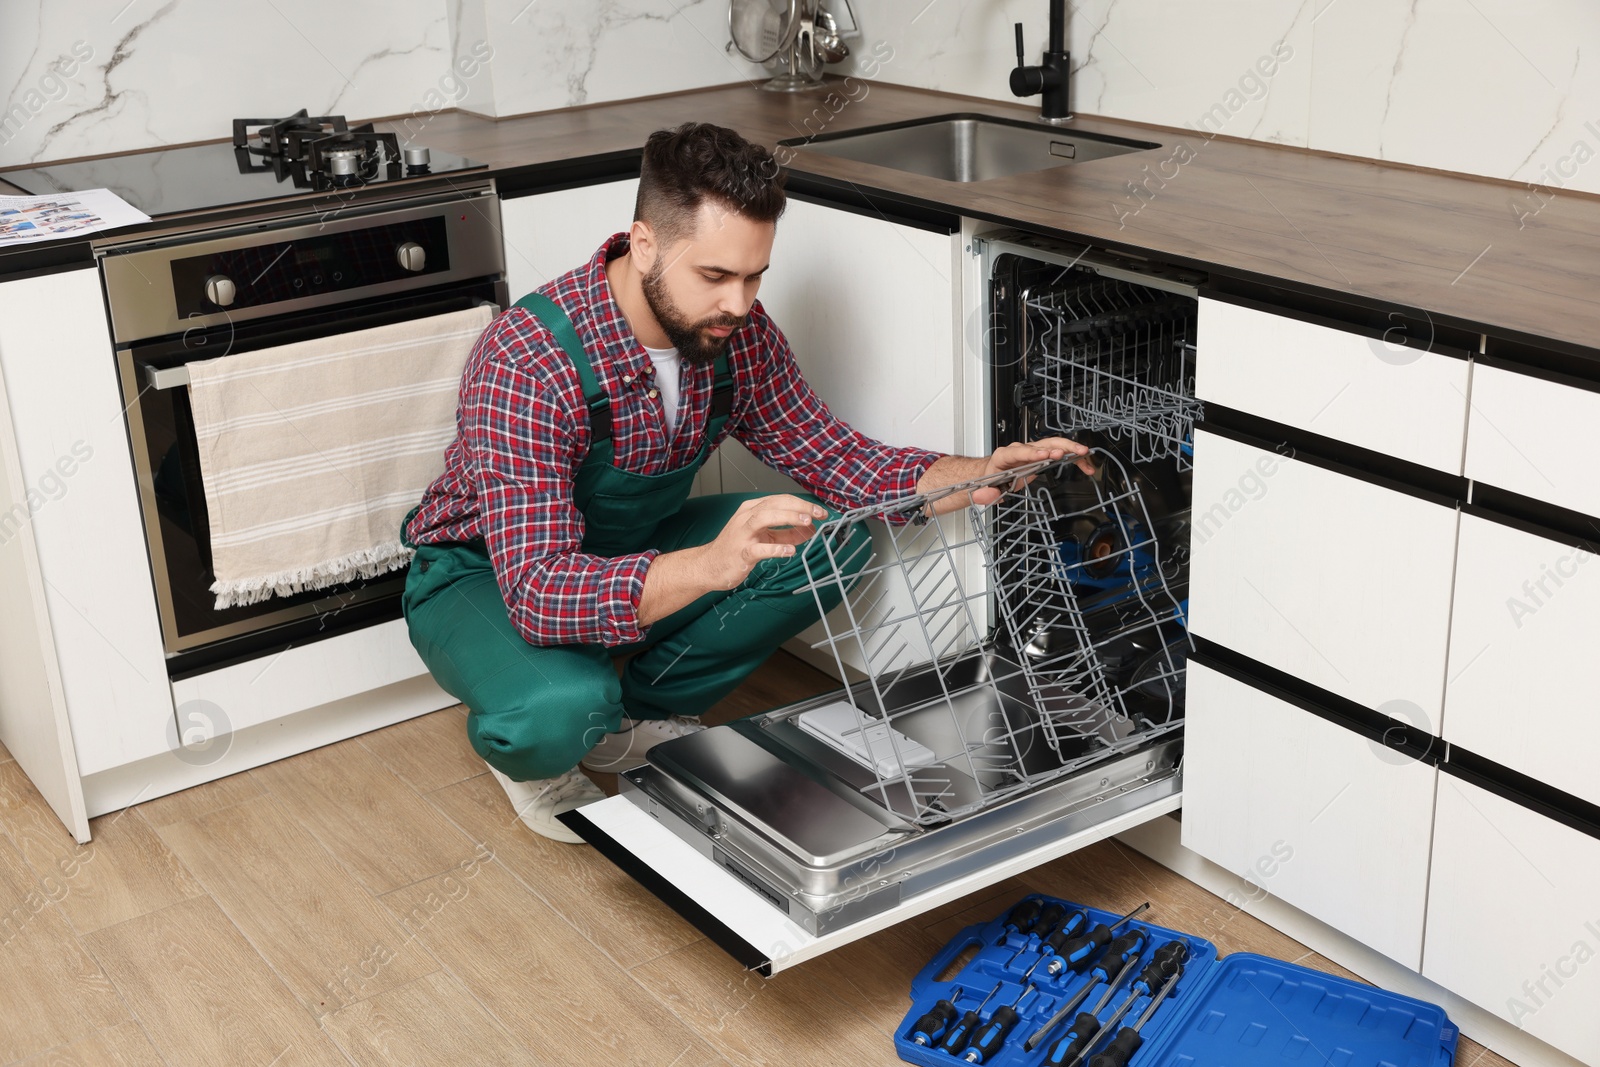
<point x="721" y="398"/>
<point x="556" y="321"/>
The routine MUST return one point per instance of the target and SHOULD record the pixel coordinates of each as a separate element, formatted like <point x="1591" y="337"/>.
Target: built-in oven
<point x="192" y="296"/>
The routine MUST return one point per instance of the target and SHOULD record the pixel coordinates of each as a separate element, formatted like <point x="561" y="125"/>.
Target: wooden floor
<point x="376" y="902"/>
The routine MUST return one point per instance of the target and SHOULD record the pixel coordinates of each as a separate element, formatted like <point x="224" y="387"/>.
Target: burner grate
<point x="318" y="152"/>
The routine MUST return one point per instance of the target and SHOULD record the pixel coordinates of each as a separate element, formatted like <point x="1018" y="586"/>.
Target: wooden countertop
<point x="1445" y="244"/>
<point x="1448" y="245"/>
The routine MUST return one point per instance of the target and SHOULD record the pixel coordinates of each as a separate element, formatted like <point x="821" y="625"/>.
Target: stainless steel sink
<point x="968" y="148"/>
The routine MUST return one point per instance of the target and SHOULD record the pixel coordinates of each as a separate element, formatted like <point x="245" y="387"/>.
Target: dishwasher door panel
<point x="742" y="918"/>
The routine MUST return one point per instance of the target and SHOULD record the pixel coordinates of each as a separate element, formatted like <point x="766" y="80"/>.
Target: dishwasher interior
<point x="1014" y="674"/>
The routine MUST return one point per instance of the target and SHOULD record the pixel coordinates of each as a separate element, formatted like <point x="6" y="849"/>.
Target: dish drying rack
<point x="1081" y="660"/>
<point x="1117" y="358"/>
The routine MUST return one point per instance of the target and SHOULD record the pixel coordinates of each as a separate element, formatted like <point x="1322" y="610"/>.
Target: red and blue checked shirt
<point x="522" y="431"/>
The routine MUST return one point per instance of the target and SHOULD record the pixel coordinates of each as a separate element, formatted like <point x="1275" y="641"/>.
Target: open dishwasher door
<point x="1000" y="722"/>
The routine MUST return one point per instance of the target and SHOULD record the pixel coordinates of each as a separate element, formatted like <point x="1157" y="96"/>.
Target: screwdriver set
<point x="1050" y="983"/>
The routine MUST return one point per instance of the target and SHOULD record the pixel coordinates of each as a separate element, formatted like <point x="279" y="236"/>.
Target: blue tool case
<point x="1240" y="1011"/>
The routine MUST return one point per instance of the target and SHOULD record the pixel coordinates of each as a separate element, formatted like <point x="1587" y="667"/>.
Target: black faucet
<point x="1049" y="79"/>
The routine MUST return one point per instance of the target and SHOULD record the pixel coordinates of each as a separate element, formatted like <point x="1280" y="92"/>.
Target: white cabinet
<point x="1522" y="642"/>
<point x="1337" y="581"/>
<point x="1313" y="813"/>
<point x="1528" y="435"/>
<point x="548" y="234"/>
<point x="1403" y="402"/>
<point x="1512" y="920"/>
<point x="74" y="517"/>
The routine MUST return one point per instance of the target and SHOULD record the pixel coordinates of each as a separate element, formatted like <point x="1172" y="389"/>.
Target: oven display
<point x="328" y="263"/>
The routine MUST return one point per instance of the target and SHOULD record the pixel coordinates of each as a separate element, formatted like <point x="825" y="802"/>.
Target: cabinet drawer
<point x="1347" y="386"/>
<point x="1521" y="655"/>
<point x="1337" y="581"/>
<point x="1315" y="814"/>
<point x="1526" y="434"/>
<point x="296" y="679"/>
<point x="1513" y="925"/>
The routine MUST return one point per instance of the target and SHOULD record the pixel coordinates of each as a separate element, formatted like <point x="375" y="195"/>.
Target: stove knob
<point x="219" y="290"/>
<point x="416" y="156"/>
<point x="411" y="255"/>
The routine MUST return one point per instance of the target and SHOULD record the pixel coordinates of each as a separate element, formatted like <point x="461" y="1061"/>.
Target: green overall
<point x="535" y="711"/>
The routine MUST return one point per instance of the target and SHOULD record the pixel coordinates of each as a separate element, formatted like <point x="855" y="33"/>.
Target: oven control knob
<point x="219" y="290"/>
<point x="411" y="255"/>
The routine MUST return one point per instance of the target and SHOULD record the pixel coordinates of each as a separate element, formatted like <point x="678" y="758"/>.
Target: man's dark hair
<point x="696" y="162"/>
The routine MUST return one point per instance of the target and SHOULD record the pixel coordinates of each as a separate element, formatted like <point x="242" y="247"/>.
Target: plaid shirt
<point x="522" y="431"/>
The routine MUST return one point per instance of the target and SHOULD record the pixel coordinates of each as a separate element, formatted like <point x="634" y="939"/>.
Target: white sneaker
<point x="626" y="748"/>
<point x="538" y="802"/>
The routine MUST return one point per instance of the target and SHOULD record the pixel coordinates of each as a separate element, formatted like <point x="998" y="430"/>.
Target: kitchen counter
<point x="1474" y="253"/>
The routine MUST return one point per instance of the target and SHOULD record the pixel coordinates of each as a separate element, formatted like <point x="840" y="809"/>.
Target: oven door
<point x="197" y="635"/>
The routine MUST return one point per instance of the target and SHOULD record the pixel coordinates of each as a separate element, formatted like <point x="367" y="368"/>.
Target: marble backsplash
<point x="98" y="76"/>
<point x="1493" y="87"/>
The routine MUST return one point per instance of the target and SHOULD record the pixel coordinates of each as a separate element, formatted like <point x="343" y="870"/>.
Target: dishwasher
<point x="1012" y="675"/>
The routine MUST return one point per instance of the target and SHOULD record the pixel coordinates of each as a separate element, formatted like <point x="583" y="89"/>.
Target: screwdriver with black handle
<point x="1096" y="976"/>
<point x="1167" y="961"/>
<point x="1048" y="917"/>
<point x="992" y="1035"/>
<point x="1085" y="1028"/>
<point x="1069" y="926"/>
<point x="1078" y="951"/>
<point x="1134" y="996"/>
<point x="1021" y="918"/>
<point x="932" y="1025"/>
<point x="1130" y="1038"/>
<point x="955" y="1038"/>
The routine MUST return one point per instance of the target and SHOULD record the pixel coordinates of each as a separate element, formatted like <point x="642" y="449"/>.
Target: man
<point x="561" y="532"/>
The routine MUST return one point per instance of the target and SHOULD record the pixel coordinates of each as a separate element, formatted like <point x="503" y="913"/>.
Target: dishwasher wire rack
<point x="1060" y="679"/>
<point x="1117" y="358"/>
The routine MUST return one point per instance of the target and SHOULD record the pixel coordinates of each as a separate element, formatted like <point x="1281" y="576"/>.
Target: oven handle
<point x="178" y="377"/>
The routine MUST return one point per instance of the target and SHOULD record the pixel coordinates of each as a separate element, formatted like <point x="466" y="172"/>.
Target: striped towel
<point x="312" y="453"/>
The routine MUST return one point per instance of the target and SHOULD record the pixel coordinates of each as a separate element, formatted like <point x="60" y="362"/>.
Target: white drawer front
<point x="1527" y="435"/>
<point x="296" y="679"/>
<point x="1408" y="404"/>
<point x="1513" y="925"/>
<point x="1522" y="646"/>
<point x="1336" y="581"/>
<point x="1312" y="813"/>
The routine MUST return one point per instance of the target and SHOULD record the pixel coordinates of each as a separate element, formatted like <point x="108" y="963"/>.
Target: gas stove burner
<point x="281" y="137"/>
<point x="343" y="161"/>
<point x="320" y="152"/>
<point x="362" y="151"/>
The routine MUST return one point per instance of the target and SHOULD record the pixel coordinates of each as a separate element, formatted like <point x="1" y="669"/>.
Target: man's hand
<point x="951" y="470"/>
<point x="767" y="527"/>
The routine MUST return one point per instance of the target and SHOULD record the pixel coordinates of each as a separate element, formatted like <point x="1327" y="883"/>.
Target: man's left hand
<point x="950" y="470"/>
<point x="1015" y="455"/>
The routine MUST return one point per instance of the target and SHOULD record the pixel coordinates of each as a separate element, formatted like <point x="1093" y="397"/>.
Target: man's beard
<point x="689" y="338"/>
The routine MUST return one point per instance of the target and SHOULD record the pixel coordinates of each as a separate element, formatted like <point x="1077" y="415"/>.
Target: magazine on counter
<point x="56" y="215"/>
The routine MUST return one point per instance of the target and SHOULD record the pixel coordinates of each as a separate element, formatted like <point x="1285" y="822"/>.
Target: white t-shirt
<point x="667" y="362"/>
